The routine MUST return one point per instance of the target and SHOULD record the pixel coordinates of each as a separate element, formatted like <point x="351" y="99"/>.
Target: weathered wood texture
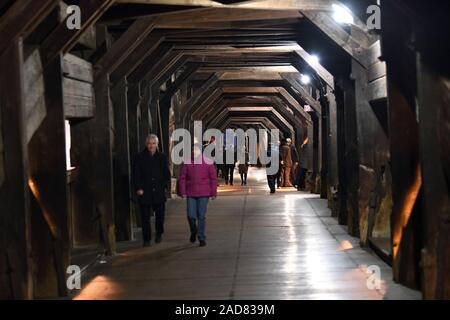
<point x="48" y="183"/>
<point x="35" y="109"/>
<point x="21" y="18"/>
<point x="102" y="184"/>
<point x="79" y="99"/>
<point x="61" y="40"/>
<point x="121" y="164"/>
<point x="373" y="149"/>
<point x="433" y="94"/>
<point x="15" y="244"/>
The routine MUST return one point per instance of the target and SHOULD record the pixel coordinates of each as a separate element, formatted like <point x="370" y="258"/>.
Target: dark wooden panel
<point x="121" y="164"/>
<point x="79" y="99"/>
<point x="15" y="263"/>
<point x="77" y="68"/>
<point x="48" y="182"/>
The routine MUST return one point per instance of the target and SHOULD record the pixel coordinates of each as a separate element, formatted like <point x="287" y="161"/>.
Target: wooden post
<point x="48" y="183"/>
<point x="121" y="163"/>
<point x="133" y="101"/>
<point x="434" y="103"/>
<point x="15" y="244"/>
<point x="145" y="123"/>
<point x="102" y="183"/>
<point x="333" y="172"/>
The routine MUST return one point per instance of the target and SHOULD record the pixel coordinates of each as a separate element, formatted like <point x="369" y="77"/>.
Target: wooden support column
<point x="145" y="122"/>
<point x="419" y="91"/>
<point x="15" y="243"/>
<point x="332" y="175"/>
<point x="135" y="145"/>
<point x="133" y="101"/>
<point x="316" y="167"/>
<point x="434" y="104"/>
<point x="101" y="178"/>
<point x="374" y="193"/>
<point x="154" y="111"/>
<point x="48" y="183"/>
<point x="121" y="163"/>
<point x="351" y="158"/>
<point x="404" y="148"/>
<point x="102" y="184"/>
<point x="164" y="109"/>
<point x="341" y="153"/>
<point x="324" y="147"/>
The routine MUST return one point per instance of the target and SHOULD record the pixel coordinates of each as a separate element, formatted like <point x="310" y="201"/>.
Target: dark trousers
<point x="146" y="213"/>
<point x="294" y="175"/>
<point x="229" y="172"/>
<point x="244" y="177"/>
<point x="271" y="182"/>
<point x="277" y="177"/>
<point x="302" y="178"/>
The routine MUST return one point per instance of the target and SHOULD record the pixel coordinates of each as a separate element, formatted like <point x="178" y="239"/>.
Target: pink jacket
<point x="198" y="180"/>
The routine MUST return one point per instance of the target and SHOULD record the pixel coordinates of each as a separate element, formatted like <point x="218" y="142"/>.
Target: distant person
<point x="243" y="168"/>
<point x="198" y="183"/>
<point x="229" y="165"/>
<point x="271" y="177"/>
<point x="151" y="177"/>
<point x="286" y="164"/>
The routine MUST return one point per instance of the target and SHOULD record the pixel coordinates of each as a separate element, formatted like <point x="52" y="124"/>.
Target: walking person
<point x="271" y="176"/>
<point x="229" y="165"/>
<point x="286" y="155"/>
<point x="198" y="183"/>
<point x="151" y="177"/>
<point x="243" y="168"/>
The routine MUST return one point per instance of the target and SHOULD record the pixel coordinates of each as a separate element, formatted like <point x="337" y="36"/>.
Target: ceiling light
<point x="342" y="14"/>
<point x="313" y="60"/>
<point x="305" y="79"/>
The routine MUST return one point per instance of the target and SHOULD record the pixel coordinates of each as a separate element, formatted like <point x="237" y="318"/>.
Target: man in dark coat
<point x="151" y="177"/>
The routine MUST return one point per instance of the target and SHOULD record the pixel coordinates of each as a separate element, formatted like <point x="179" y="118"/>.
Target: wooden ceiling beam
<point x="139" y="54"/>
<point x="255" y="4"/>
<point x="124" y="46"/>
<point x="22" y="18"/>
<point x="61" y="40"/>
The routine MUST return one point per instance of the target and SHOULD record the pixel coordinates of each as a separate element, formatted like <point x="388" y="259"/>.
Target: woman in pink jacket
<point x="198" y="183"/>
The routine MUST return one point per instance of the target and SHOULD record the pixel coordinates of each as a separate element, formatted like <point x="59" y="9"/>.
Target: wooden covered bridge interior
<point x="372" y="104"/>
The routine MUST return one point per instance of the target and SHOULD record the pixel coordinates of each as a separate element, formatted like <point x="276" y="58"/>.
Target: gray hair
<point x="152" y="137"/>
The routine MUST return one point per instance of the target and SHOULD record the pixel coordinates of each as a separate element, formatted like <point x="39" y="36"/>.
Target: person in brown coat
<point x="286" y="164"/>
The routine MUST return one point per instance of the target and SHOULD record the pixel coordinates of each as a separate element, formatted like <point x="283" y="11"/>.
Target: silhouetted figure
<point x="229" y="166"/>
<point x="243" y="169"/>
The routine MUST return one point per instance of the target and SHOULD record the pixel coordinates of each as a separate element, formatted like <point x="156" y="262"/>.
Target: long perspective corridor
<point x="337" y="110"/>
<point x="260" y="247"/>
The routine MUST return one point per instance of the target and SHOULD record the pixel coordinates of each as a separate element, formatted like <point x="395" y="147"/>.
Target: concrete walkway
<point x="259" y="246"/>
